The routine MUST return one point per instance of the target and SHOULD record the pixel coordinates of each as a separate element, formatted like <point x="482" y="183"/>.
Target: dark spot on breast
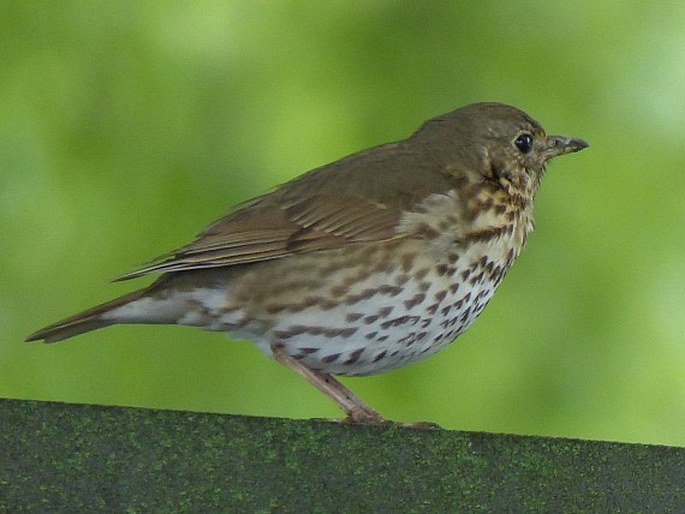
<point x="420" y="274"/>
<point x="415" y="300"/>
<point x="401" y="279"/>
<point x="354" y="356"/>
<point x="331" y="358"/>
<point x="292" y="331"/>
<point x="326" y="305"/>
<point x="364" y="295"/>
<point x="275" y="308"/>
<point x="476" y="279"/>
<point x="396" y="322"/>
<point x="408" y="261"/>
<point x="384" y="312"/>
<point x="370" y="319"/>
<point x="390" y="290"/>
<point x="380" y="356"/>
<point x="337" y="291"/>
<point x="334" y="332"/>
<point x="307" y="351"/>
<point x="348" y="332"/>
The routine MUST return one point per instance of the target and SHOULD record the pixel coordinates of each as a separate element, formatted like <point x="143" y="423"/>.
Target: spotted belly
<point x="362" y="323"/>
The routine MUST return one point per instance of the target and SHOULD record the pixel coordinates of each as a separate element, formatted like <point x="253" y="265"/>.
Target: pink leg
<point x="357" y="410"/>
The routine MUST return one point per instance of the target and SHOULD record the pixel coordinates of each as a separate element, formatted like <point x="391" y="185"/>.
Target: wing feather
<point x="359" y="198"/>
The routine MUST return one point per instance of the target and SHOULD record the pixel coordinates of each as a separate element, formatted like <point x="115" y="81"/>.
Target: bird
<point x="361" y="266"/>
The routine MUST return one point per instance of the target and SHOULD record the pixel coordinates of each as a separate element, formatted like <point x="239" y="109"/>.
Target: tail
<point x="171" y="299"/>
<point x="91" y="319"/>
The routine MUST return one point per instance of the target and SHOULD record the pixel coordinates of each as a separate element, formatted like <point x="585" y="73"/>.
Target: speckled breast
<point x="373" y="308"/>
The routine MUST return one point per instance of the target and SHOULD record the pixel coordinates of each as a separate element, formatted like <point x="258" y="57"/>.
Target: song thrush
<point x="361" y="266"/>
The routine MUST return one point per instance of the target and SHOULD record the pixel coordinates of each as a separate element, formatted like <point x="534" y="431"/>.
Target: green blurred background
<point x="127" y="126"/>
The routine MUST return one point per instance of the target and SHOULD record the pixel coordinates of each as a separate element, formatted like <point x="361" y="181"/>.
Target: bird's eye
<point x="524" y="142"/>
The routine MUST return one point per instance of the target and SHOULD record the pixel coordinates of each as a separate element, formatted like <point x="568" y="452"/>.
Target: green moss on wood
<point x="63" y="457"/>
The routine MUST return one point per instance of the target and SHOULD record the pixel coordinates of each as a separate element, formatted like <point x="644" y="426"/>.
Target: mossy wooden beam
<point x="57" y="457"/>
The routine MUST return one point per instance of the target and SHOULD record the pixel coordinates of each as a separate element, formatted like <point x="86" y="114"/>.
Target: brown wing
<point x="359" y="198"/>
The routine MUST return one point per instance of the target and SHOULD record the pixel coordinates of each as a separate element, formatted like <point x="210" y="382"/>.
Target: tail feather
<point x="91" y="319"/>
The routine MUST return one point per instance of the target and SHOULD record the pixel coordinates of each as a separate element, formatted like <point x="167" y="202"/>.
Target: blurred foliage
<point x="127" y="126"/>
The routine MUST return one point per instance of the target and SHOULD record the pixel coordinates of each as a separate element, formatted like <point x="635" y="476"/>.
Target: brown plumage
<point x="362" y="265"/>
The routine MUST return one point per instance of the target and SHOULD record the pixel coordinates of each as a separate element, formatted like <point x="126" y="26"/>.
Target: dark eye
<point x="524" y="142"/>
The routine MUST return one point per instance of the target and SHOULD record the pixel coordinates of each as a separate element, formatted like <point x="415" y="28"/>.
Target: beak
<point x="560" y="145"/>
